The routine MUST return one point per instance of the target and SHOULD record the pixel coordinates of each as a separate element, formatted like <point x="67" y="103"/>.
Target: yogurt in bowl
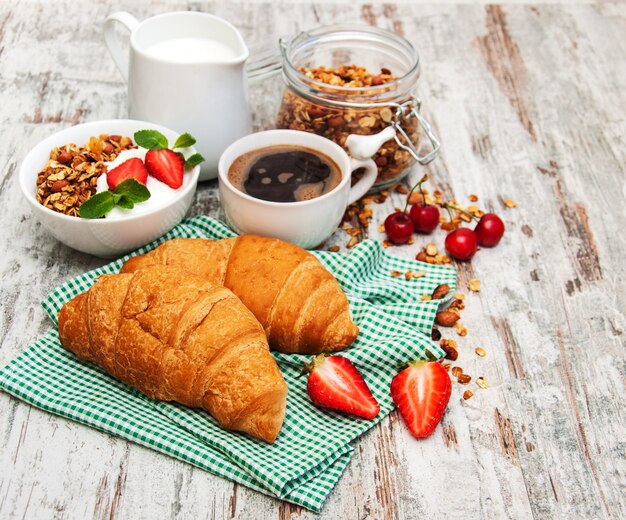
<point x="160" y="193"/>
<point x="124" y="230"/>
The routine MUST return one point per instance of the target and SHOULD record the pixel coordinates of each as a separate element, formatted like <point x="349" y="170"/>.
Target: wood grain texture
<point x="530" y="103"/>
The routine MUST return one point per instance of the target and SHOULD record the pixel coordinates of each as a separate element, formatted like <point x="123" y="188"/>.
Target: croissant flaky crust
<point x="176" y="337"/>
<point x="299" y="303"/>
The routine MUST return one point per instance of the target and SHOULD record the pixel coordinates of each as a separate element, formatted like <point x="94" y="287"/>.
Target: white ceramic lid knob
<point x="364" y="146"/>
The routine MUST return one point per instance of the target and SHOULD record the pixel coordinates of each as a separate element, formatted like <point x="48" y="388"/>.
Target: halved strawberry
<point x="130" y="169"/>
<point x="167" y="166"/>
<point x="335" y="383"/>
<point x="421" y="393"/>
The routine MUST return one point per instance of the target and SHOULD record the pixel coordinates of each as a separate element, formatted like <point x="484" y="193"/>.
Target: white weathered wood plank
<point x="529" y="101"/>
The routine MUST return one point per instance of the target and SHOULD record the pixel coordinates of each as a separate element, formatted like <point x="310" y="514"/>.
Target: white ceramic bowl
<point x="104" y="237"/>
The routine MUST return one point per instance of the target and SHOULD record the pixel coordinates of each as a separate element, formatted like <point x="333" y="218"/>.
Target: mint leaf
<point x="97" y="206"/>
<point x="194" y="160"/>
<point x="151" y="139"/>
<point x="124" y="202"/>
<point x="132" y="191"/>
<point x="125" y="195"/>
<point x="185" y="140"/>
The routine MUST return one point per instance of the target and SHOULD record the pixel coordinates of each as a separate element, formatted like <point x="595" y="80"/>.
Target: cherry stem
<point x="457" y="208"/>
<point x="417" y="185"/>
<point x="447" y="208"/>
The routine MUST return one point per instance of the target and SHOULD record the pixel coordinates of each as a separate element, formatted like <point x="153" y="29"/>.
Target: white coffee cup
<point x="306" y="223"/>
<point x="203" y="94"/>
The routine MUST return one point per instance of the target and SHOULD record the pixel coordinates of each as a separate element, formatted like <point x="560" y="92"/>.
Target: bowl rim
<point x="29" y="194"/>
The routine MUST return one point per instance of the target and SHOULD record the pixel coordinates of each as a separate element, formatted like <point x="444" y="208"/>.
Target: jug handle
<point x="112" y="41"/>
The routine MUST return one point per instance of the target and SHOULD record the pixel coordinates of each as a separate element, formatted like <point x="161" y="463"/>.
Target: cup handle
<point x="112" y="41"/>
<point x="364" y="183"/>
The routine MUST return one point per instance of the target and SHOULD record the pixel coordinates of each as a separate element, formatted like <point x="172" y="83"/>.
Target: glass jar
<point x="330" y="105"/>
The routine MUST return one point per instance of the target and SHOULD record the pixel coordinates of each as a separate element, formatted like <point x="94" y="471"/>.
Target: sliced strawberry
<point x="167" y="166"/>
<point x="130" y="169"/>
<point x="335" y="383"/>
<point x="421" y="393"/>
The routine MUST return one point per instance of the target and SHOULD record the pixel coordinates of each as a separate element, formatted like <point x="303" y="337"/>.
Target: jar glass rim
<point x="354" y="30"/>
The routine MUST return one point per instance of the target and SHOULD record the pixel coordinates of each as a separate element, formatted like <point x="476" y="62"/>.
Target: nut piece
<point x="482" y="382"/>
<point x="335" y="121"/>
<point x="457" y="371"/>
<point x="421" y="256"/>
<point x="464" y="379"/>
<point x="510" y="203"/>
<point x="435" y="334"/>
<point x="64" y="157"/>
<point x="57" y="186"/>
<point x="467" y="394"/>
<point x="431" y="249"/>
<point x="446" y="318"/>
<point x="451" y="353"/>
<point x="474" y="285"/>
<point x="396" y="273"/>
<point x="333" y="249"/>
<point x="461" y="330"/>
<point x="440" y="291"/>
<point x="480" y="351"/>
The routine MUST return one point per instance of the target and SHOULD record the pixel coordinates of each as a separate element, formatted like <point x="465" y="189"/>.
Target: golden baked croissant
<point x="175" y="337"/>
<point x="298" y="302"/>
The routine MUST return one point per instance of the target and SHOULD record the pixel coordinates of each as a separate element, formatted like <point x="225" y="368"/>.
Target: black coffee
<point x="284" y="173"/>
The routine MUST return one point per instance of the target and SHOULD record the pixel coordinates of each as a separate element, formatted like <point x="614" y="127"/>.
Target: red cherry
<point x="425" y="217"/>
<point x="489" y="230"/>
<point x="462" y="243"/>
<point x="398" y="227"/>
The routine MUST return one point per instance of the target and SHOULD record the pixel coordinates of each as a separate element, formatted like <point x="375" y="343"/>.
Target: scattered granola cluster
<point x="70" y="176"/>
<point x="337" y="123"/>
<point x="449" y="318"/>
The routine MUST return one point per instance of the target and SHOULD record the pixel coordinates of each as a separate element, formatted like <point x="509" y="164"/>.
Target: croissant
<point x="299" y="303"/>
<point x="175" y="337"/>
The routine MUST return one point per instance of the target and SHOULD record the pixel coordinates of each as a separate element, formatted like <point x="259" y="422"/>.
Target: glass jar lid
<point x="344" y="44"/>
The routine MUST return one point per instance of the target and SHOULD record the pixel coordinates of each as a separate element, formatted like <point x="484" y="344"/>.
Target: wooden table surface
<point x="530" y="103"/>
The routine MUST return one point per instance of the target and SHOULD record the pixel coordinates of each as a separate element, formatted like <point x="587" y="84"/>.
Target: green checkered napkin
<point x="312" y="450"/>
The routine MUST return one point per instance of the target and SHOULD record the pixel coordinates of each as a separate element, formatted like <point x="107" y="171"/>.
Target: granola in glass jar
<point x="350" y="78"/>
<point x="337" y="123"/>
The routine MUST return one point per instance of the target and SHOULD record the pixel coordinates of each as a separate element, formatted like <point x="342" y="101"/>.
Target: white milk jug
<point x="185" y="71"/>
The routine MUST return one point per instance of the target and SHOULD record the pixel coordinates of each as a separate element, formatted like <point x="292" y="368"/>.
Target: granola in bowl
<point x="71" y="175"/>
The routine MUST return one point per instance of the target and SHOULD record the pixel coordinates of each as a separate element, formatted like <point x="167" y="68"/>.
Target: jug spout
<point x="227" y="33"/>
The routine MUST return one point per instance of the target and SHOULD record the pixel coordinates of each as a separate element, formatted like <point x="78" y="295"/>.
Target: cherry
<point x="462" y="243"/>
<point x="489" y="230"/>
<point x="398" y="227"/>
<point x="425" y="217"/>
